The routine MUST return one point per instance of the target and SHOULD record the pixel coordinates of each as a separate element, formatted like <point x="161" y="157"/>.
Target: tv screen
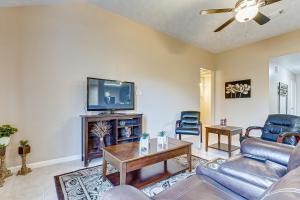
<point x="105" y="94"/>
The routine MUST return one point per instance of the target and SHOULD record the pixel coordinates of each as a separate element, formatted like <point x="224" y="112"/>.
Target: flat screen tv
<point x="103" y="95"/>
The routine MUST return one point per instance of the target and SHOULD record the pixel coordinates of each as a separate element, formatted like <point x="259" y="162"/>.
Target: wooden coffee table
<point x="228" y="131"/>
<point x="142" y="170"/>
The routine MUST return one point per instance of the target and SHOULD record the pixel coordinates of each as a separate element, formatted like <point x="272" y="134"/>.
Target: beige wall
<point x="9" y="70"/>
<point x="9" y="64"/>
<point x="252" y="62"/>
<point x="59" y="46"/>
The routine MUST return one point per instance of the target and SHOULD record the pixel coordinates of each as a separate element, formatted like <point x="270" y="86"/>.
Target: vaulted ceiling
<point x="181" y="19"/>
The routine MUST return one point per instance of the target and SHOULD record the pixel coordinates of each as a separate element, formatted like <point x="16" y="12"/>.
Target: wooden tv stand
<point x="91" y="146"/>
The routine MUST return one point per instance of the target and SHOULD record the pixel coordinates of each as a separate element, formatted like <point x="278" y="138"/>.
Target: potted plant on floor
<point x="5" y="132"/>
<point x="24" y="149"/>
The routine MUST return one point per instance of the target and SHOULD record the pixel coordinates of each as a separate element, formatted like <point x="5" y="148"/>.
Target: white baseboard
<point x="47" y="162"/>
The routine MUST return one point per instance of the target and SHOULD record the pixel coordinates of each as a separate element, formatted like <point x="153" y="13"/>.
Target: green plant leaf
<point x="7" y="130"/>
<point x="23" y="143"/>
<point x="145" y="135"/>
<point x="162" y="133"/>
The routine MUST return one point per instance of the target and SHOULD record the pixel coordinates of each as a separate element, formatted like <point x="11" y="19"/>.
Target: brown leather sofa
<point x="264" y="170"/>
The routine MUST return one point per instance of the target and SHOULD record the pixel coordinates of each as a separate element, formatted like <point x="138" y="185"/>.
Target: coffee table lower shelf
<point x="148" y="175"/>
<point x="223" y="147"/>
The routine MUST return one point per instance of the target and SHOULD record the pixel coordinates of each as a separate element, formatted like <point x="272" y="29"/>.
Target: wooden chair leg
<point x="200" y="138"/>
<point x="200" y="132"/>
<point x="179" y="136"/>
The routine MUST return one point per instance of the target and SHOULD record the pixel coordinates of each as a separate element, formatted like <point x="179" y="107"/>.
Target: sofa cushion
<point x="294" y="161"/>
<point x="255" y="172"/>
<point x="275" y="129"/>
<point x="238" y="186"/>
<point x="276" y="152"/>
<point x="195" y="188"/>
<point x="287" y="188"/>
<point x="187" y="131"/>
<point x="269" y="136"/>
<point x="290" y="121"/>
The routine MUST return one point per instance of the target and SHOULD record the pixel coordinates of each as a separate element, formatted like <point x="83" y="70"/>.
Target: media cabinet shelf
<point x="128" y="138"/>
<point x="91" y="145"/>
<point x="129" y="125"/>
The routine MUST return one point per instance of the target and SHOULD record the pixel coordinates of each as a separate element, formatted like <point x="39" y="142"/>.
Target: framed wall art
<point x="238" y="89"/>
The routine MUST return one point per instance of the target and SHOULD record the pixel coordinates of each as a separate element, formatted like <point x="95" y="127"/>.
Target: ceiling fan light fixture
<point x="246" y="10"/>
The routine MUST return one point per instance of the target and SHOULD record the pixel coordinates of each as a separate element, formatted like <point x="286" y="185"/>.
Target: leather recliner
<point x="278" y="127"/>
<point x="264" y="171"/>
<point x="189" y="124"/>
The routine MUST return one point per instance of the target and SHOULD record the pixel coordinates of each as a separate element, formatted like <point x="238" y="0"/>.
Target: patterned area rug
<point x="87" y="184"/>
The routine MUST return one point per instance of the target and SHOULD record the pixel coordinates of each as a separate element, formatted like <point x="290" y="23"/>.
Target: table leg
<point x="189" y="159"/>
<point x="219" y="139"/>
<point x="229" y="144"/>
<point x="165" y="165"/>
<point x="123" y="174"/>
<point x="104" y="169"/>
<point x="201" y="133"/>
<point x="206" y="140"/>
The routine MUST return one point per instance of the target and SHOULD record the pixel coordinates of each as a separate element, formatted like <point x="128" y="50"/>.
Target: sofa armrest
<point x="286" y="188"/>
<point x="276" y="152"/>
<point x="124" y="192"/>
<point x="251" y="128"/>
<point x="236" y="185"/>
<point x="283" y="136"/>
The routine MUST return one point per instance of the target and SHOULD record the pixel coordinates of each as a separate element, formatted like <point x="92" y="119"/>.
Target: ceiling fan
<point x="244" y="11"/>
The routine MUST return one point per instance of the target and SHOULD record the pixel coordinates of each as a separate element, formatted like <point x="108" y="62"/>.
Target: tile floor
<point x="39" y="185"/>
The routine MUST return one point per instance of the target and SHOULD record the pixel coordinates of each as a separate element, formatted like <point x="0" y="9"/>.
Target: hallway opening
<point x="206" y="97"/>
<point x="284" y="83"/>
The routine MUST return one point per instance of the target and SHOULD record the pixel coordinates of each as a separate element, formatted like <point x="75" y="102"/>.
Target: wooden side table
<point x="228" y="131"/>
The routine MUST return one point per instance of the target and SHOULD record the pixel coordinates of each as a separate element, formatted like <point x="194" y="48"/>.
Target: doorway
<point x="284" y="84"/>
<point x="206" y="97"/>
<point x="207" y="108"/>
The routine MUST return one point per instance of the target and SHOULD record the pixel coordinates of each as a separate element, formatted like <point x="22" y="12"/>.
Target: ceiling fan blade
<point x="225" y="24"/>
<point x="215" y="11"/>
<point x="261" y="19"/>
<point x="268" y="2"/>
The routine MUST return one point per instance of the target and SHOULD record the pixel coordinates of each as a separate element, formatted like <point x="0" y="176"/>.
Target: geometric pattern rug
<point x="87" y="183"/>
